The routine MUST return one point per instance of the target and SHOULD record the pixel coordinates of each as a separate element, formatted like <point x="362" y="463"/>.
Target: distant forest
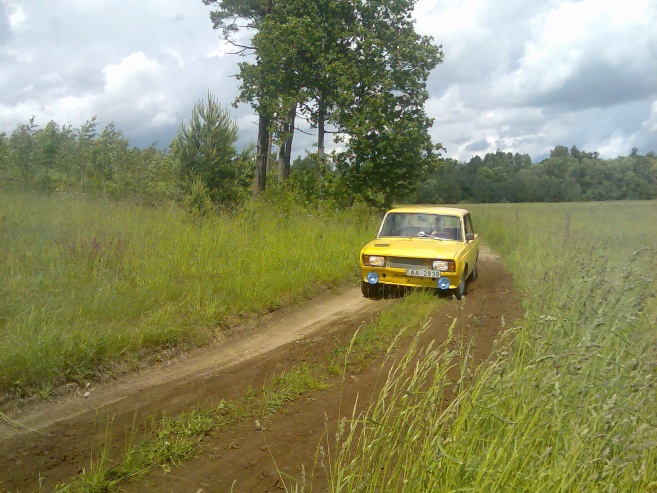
<point x="86" y="160"/>
<point x="567" y="175"/>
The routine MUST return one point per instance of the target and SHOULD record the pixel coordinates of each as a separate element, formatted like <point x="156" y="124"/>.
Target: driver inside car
<point x="439" y="226"/>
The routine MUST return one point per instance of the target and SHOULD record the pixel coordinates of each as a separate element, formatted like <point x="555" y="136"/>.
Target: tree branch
<point x="242" y="48"/>
<point x="302" y="131"/>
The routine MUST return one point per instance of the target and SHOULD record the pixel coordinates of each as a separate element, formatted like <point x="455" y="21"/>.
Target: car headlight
<point x="374" y="260"/>
<point x="444" y="265"/>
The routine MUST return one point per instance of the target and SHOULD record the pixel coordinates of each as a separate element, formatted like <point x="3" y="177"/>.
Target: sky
<point x="518" y="75"/>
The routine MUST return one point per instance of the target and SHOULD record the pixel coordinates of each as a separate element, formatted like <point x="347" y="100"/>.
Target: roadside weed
<point x="86" y="282"/>
<point x="567" y="402"/>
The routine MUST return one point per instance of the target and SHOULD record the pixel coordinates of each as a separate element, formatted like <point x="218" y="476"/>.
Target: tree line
<point x="566" y="175"/>
<point x="201" y="164"/>
<point x="84" y="159"/>
<point x="203" y="167"/>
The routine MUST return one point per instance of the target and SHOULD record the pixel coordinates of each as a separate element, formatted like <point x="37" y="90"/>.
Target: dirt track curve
<point x="55" y="440"/>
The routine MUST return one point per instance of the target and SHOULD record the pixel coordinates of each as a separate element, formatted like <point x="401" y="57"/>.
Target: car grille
<point x="407" y="263"/>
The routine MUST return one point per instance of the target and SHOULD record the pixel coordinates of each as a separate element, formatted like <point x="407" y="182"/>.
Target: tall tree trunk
<point x="281" y="153"/>
<point x="321" y="134"/>
<point x="285" y="151"/>
<point x="262" y="148"/>
<point x="321" y="131"/>
<point x="270" y="144"/>
<point x="260" y="182"/>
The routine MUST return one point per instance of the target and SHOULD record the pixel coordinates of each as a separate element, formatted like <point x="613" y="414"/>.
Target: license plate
<point x="422" y="273"/>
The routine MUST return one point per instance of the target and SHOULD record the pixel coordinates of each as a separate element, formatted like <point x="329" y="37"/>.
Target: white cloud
<point x="541" y="69"/>
<point x="575" y="47"/>
<point x="650" y="123"/>
<point x="520" y="76"/>
<point x="163" y="119"/>
<point x="135" y="72"/>
<point x="177" y="56"/>
<point x="614" y="145"/>
<point x="15" y="113"/>
<point x="15" y="15"/>
<point x="70" y="109"/>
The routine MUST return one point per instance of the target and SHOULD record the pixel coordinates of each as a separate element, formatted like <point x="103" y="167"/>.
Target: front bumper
<point x="398" y="277"/>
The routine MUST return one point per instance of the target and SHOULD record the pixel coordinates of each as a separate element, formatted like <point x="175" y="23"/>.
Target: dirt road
<point x="55" y="440"/>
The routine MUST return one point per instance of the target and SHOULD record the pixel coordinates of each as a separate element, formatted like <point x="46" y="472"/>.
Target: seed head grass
<point x="84" y="282"/>
<point x="566" y="402"/>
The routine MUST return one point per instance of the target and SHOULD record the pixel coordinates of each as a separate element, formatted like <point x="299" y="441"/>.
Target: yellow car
<point x="421" y="246"/>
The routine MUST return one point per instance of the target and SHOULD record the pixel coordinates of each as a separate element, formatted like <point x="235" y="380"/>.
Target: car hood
<point x="413" y="248"/>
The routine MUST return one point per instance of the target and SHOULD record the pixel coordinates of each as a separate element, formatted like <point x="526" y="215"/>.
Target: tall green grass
<point x="85" y="281"/>
<point x="567" y="402"/>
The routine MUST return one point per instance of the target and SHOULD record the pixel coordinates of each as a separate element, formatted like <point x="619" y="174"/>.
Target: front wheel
<point x="459" y="292"/>
<point x="370" y="290"/>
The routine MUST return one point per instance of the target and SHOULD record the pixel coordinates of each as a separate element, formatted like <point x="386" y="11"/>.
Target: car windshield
<point x="409" y="224"/>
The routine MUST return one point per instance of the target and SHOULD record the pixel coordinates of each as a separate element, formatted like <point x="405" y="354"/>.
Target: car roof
<point x="430" y="209"/>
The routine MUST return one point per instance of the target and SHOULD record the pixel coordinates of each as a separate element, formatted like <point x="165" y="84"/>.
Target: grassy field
<point x="567" y="403"/>
<point x="84" y="282"/>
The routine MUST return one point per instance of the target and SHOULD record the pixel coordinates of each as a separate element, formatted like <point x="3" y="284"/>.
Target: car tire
<point x="370" y="290"/>
<point x="460" y="291"/>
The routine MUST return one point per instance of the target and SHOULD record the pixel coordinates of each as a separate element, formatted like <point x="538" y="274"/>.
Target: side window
<point x="468" y="225"/>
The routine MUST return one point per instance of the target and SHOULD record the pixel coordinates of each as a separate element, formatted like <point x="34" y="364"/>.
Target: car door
<point x="473" y="245"/>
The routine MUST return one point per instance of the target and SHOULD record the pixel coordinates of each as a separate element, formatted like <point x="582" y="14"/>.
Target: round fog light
<point x="443" y="283"/>
<point x="372" y="277"/>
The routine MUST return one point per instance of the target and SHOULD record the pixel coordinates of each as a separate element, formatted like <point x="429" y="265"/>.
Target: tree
<point x="66" y="152"/>
<point x="229" y="14"/>
<point x="84" y="157"/>
<point x="205" y="149"/>
<point x="4" y="159"/>
<point x="110" y="161"/>
<point x="295" y="44"/>
<point x="309" y="177"/>
<point x="64" y="158"/>
<point x="227" y="18"/>
<point x="285" y="145"/>
<point x="560" y="152"/>
<point x="357" y="65"/>
<point x="443" y="186"/>
<point x="308" y="42"/>
<point x="21" y="150"/>
<point x="48" y="142"/>
<point x="382" y="112"/>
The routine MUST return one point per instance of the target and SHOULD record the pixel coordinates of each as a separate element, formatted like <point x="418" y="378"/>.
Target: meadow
<point x="86" y="283"/>
<point x="567" y="401"/>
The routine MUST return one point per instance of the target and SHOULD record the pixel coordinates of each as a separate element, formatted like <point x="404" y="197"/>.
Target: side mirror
<point x="469" y="236"/>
